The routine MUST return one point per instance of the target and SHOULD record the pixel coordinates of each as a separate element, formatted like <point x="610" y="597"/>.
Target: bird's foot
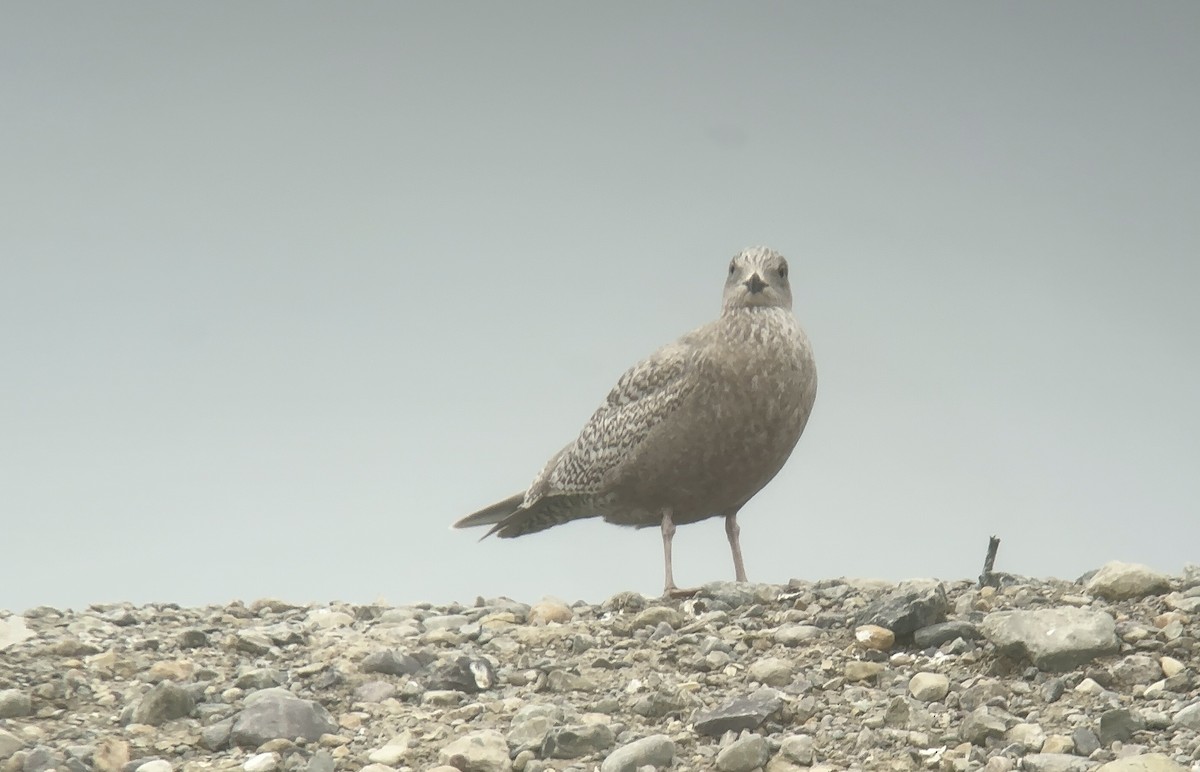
<point x="671" y="591"/>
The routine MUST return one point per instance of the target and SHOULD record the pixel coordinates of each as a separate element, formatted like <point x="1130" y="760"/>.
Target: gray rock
<point x="743" y="755"/>
<point x="772" y="671"/>
<point x="483" y="751"/>
<point x="798" y="748"/>
<point x="9" y="744"/>
<point x="164" y="702"/>
<point x="1146" y="762"/>
<point x="659" y="703"/>
<point x="530" y="732"/>
<point x="1030" y="737"/>
<point x="215" y="737"/>
<point x="562" y="681"/>
<point x="1118" y="726"/>
<point x="261" y="678"/>
<point x="929" y="687"/>
<point x="734" y="716"/>
<point x="149" y="765"/>
<point x="980" y="725"/>
<point x="1137" y="669"/>
<point x="41" y="759"/>
<point x="374" y="691"/>
<point x="572" y="742"/>
<point x="391" y="662"/>
<point x="272" y="714"/>
<point x="796" y="635"/>
<point x="191" y="639"/>
<point x="1056" y="762"/>
<point x="321" y="761"/>
<point x="445" y="622"/>
<point x="1118" y="581"/>
<point x="943" y="632"/>
<point x="1086" y="741"/>
<point x="907" y="609"/>
<point x="656" y="751"/>
<point x="1055" y="639"/>
<point x="15" y="703"/>
<point x="983" y="693"/>
<point x="1188" y="717"/>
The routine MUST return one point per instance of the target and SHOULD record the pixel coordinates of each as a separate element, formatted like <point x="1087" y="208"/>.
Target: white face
<point x="758" y="277"/>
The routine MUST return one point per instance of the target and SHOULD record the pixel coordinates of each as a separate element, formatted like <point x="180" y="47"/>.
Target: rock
<point x="980" y="725"/>
<point x="772" y="671"/>
<point x="550" y="611"/>
<point x="1118" y="725"/>
<point x="262" y="762"/>
<point x="154" y="765"/>
<point x="278" y="714"/>
<point x="1057" y="745"/>
<point x="929" y="687"/>
<point x="796" y="635"/>
<point x="1188" y="717"/>
<point x="907" y="608"/>
<point x="391" y="662"/>
<point x="1056" y="762"/>
<point x="483" y="751"/>
<point x="743" y="755"/>
<point x="798" y="748"/>
<point x="531" y="732"/>
<point x="656" y="750"/>
<point x="10" y="744"/>
<point x="1085" y="740"/>
<point x="1136" y="669"/>
<point x="1146" y="762"/>
<point x="15" y="703"/>
<point x="393" y="752"/>
<point x="943" y="632"/>
<point x="734" y="716"/>
<point x="1171" y="666"/>
<point x="1030" y="737"/>
<point x="215" y="737"/>
<point x="874" y="637"/>
<point x="1118" y="581"/>
<point x="374" y="691"/>
<point x="656" y="615"/>
<point x="110" y="755"/>
<point x="572" y="742"/>
<point x="1055" y="639"/>
<point x="562" y="681"/>
<point x="164" y="702"/>
<point x="191" y="639"/>
<point x="857" y="670"/>
<point x="328" y="619"/>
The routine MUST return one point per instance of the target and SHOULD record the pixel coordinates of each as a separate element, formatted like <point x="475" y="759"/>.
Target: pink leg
<point x="668" y="533"/>
<point x="732" y="530"/>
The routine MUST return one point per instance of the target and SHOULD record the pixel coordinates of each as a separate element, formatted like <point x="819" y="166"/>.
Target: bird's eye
<point x="732" y="267"/>
<point x="783" y="271"/>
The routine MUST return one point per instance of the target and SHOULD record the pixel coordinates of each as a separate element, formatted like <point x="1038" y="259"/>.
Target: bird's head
<point x="758" y="277"/>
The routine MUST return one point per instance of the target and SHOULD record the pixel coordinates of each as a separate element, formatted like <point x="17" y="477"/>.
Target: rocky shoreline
<point x="1045" y="675"/>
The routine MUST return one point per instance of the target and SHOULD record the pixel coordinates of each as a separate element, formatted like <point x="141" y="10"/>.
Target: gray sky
<point x="287" y="288"/>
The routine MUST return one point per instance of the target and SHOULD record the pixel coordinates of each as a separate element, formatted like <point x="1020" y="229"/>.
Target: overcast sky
<point x="287" y="288"/>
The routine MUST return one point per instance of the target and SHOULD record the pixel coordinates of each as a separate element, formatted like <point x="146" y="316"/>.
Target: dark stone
<point x="1119" y="725"/>
<point x="263" y="678"/>
<point x="164" y="702"/>
<point x="1086" y="741"/>
<point x="1053" y="689"/>
<point x="321" y="761"/>
<point x="464" y="674"/>
<point x="192" y="639"/>
<point x="571" y="742"/>
<point x="979" y="726"/>
<point x="935" y="635"/>
<point x="216" y="736"/>
<point x="272" y="714"/>
<point x="907" y="609"/>
<point x="736" y="715"/>
<point x="391" y="662"/>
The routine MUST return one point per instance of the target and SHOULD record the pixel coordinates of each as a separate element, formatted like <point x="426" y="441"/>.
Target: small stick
<point x="986" y="578"/>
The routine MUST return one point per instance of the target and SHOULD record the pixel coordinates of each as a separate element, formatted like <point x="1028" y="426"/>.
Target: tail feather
<point x="542" y="514"/>
<point x="494" y="513"/>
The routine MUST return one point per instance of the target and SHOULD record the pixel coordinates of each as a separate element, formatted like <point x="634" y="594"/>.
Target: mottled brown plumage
<point x="693" y="431"/>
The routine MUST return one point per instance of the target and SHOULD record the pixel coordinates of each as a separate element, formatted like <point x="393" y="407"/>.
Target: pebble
<point x="929" y="687"/>
<point x="738" y="677"/>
